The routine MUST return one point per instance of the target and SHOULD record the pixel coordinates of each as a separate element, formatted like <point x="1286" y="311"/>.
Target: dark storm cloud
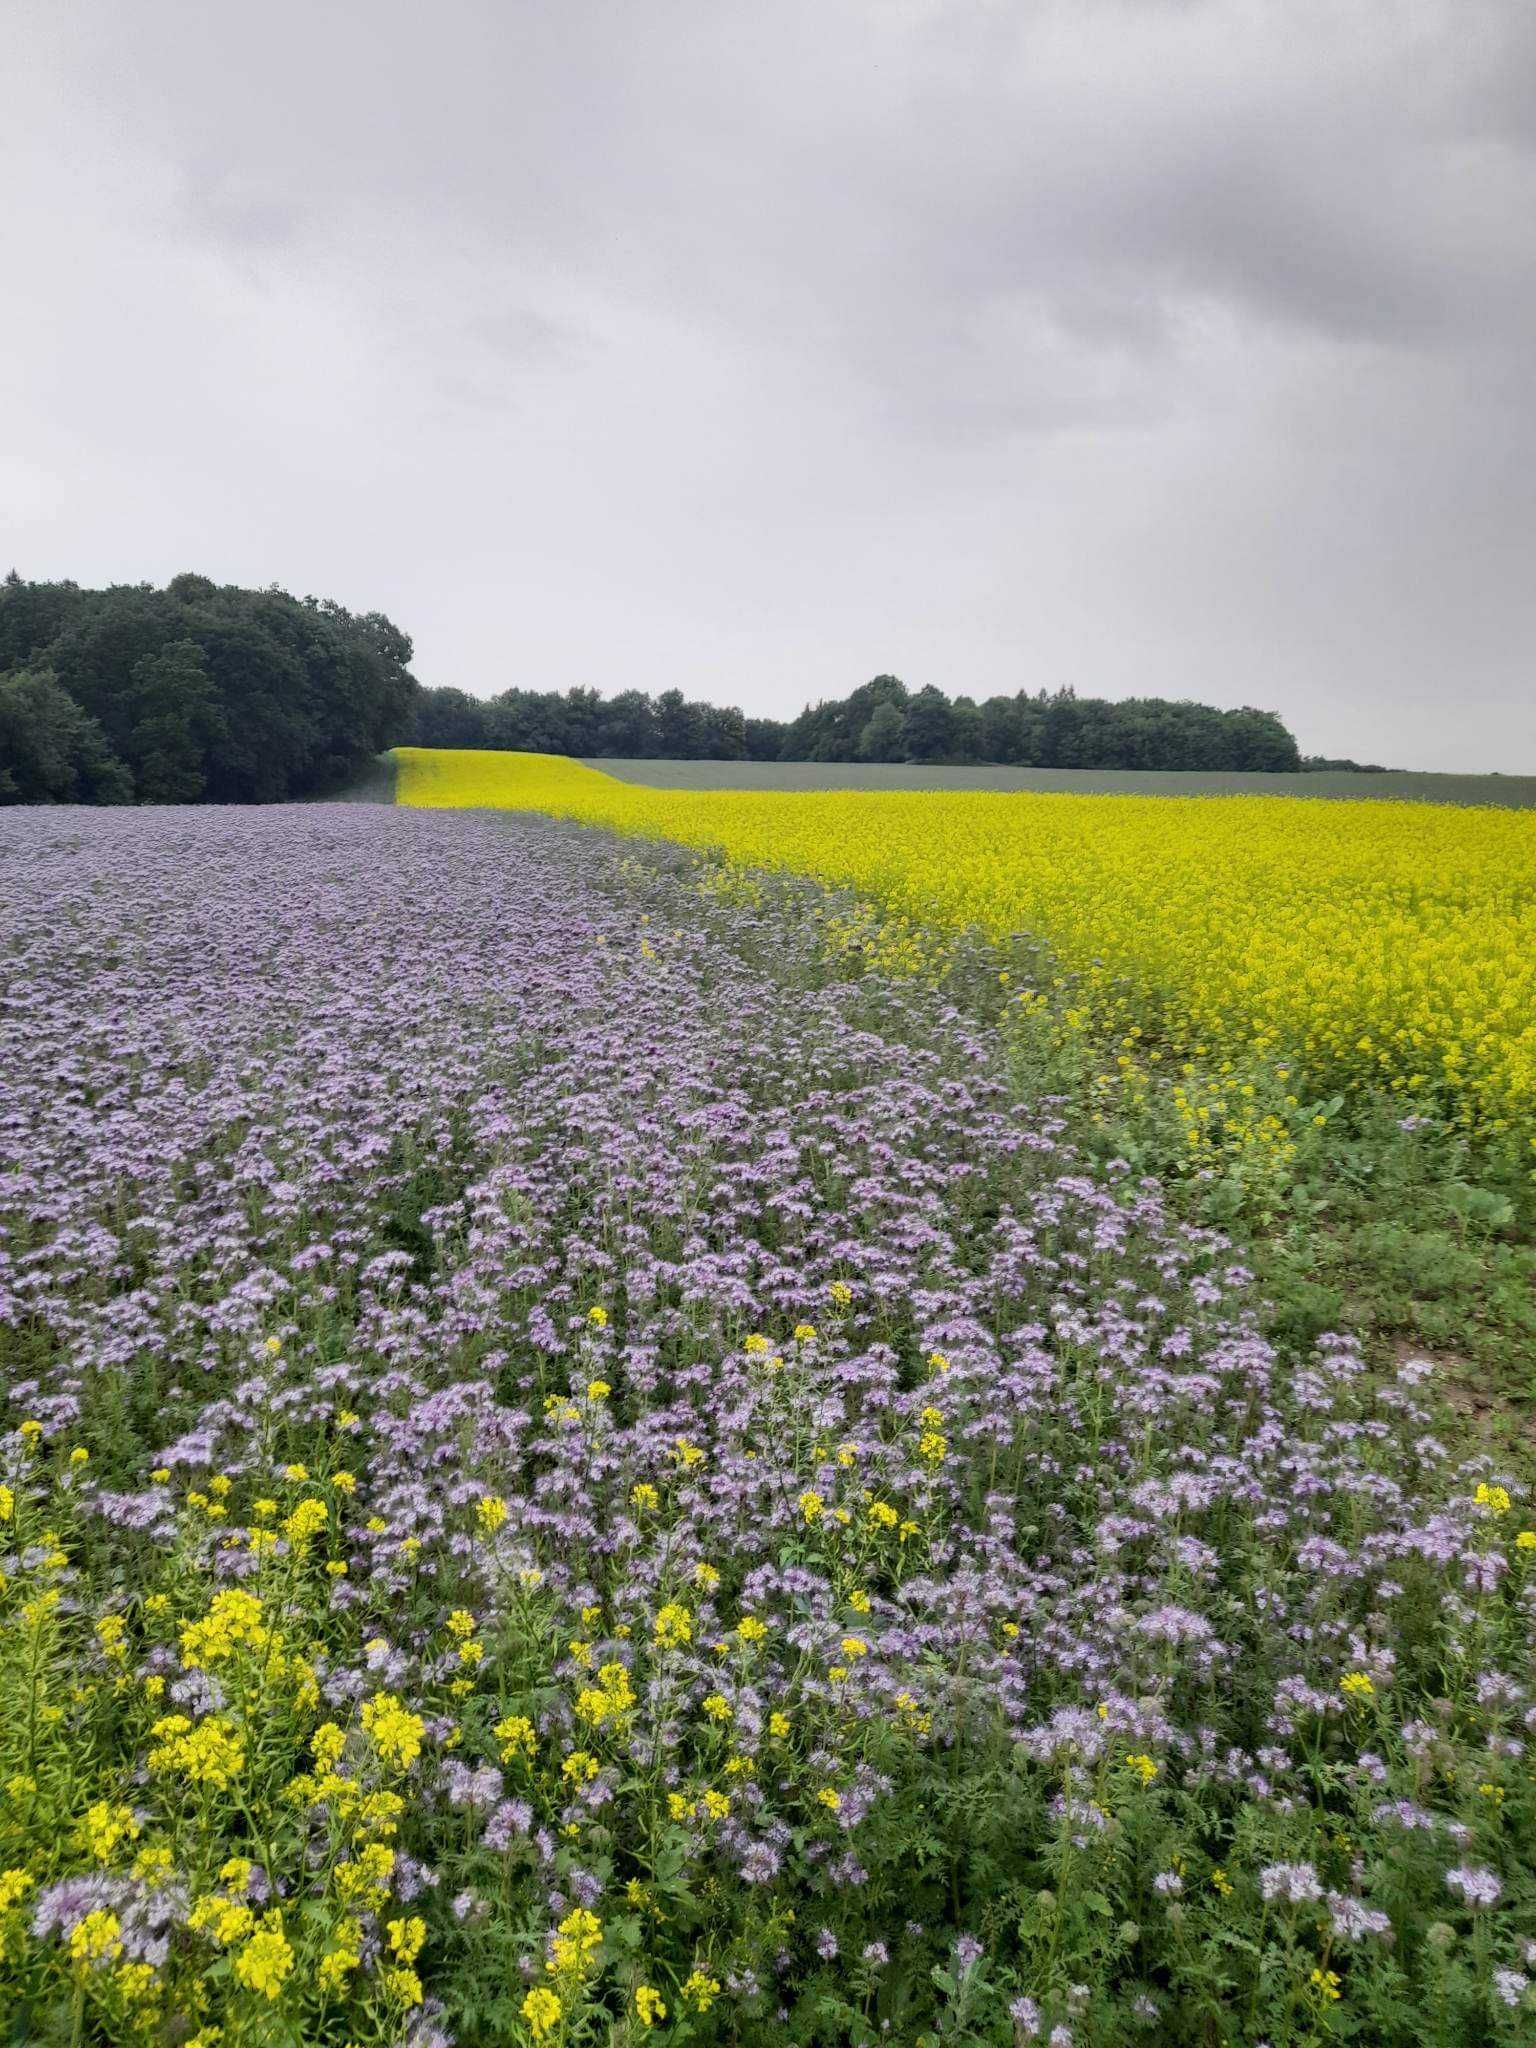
<point x="1178" y="347"/>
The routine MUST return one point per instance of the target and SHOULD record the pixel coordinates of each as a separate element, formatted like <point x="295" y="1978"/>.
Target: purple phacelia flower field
<point x="573" y="1474"/>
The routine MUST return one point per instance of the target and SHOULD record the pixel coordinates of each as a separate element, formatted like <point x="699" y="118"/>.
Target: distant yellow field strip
<point x="1391" y="942"/>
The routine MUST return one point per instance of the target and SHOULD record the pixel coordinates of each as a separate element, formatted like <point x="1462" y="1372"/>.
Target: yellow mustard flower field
<point x="1376" y="944"/>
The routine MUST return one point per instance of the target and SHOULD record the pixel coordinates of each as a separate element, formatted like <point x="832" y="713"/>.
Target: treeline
<point x="580" y="722"/>
<point x="198" y="693"/>
<point x="205" y="693"/>
<point x="881" y="721"/>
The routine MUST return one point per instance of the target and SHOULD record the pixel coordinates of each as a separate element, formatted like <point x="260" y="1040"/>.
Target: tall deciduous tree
<point x="52" y="752"/>
<point x="177" y="718"/>
<point x="205" y="691"/>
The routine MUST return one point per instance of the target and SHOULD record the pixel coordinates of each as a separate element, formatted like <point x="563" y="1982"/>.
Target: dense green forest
<point x="198" y="693"/>
<point x="881" y="721"/>
<point x="205" y="693"/>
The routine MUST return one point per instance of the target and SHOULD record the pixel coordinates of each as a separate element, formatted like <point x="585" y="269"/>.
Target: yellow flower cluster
<point x="105" y="1827"/>
<point x="266" y="1960"/>
<point x="305" y="1523"/>
<point x="516" y="1738"/>
<point x="701" y="1990"/>
<point x="611" y="1699"/>
<point x="233" y="1619"/>
<point x="673" y="1627"/>
<point x="1391" y="944"/>
<point x="395" y="1731"/>
<point x="574" y="1945"/>
<point x="210" y="1752"/>
<point x="96" y="1938"/>
<point x="541" y="2010"/>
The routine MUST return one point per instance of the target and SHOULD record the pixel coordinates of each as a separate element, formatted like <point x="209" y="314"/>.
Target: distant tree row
<point x="198" y="693"/>
<point x="629" y="726"/>
<point x="884" y="721"/>
<point x="880" y="721"/>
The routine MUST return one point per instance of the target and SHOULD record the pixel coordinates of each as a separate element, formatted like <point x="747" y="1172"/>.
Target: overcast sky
<point x="758" y="346"/>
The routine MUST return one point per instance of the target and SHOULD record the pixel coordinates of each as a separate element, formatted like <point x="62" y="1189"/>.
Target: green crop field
<point x="1510" y="792"/>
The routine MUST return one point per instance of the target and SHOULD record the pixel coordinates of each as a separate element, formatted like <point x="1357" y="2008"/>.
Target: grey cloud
<point x="525" y="335"/>
<point x="243" y="215"/>
<point x="1176" y="346"/>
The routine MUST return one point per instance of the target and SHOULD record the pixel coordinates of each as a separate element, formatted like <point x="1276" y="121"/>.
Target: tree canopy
<point x="197" y="693"/>
<point x="880" y="721"/>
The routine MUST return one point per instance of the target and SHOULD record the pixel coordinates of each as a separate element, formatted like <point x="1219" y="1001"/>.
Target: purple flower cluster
<point x="486" y="1154"/>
